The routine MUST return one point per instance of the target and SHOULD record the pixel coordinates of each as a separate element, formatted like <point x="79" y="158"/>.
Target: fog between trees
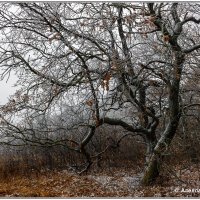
<point x="86" y="66"/>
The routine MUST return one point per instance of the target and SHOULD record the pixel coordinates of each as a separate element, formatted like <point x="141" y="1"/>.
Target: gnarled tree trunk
<point x="153" y="168"/>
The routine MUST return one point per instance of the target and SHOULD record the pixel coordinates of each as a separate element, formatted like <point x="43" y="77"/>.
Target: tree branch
<point x="191" y="19"/>
<point x="123" y="124"/>
<point x="73" y="82"/>
<point x="192" y="49"/>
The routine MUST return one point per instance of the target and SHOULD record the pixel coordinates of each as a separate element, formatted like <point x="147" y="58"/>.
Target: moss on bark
<point x="152" y="171"/>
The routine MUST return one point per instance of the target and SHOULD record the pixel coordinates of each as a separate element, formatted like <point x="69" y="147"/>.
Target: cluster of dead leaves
<point x="120" y="183"/>
<point x="51" y="184"/>
<point x="55" y="36"/>
<point x="105" y="81"/>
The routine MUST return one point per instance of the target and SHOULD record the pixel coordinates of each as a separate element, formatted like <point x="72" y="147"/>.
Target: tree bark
<point x="153" y="168"/>
<point x="151" y="142"/>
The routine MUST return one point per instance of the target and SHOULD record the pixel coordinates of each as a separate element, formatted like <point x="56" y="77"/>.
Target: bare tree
<point x="114" y="63"/>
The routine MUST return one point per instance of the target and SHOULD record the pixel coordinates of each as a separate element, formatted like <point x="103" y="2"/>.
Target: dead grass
<point x="23" y="176"/>
<point x="51" y="184"/>
<point x="118" y="184"/>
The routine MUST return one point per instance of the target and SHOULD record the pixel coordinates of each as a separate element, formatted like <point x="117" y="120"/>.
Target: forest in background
<point x="109" y="97"/>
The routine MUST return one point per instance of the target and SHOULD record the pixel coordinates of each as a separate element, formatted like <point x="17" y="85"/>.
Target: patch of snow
<point x="117" y="183"/>
<point x="131" y="181"/>
<point x="101" y="179"/>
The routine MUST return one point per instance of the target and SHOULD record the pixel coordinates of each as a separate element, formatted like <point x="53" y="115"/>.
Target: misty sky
<point x="7" y="88"/>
